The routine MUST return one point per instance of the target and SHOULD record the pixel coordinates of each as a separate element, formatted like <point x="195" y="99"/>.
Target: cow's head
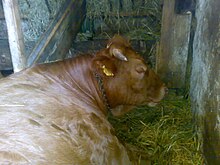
<point x="128" y="80"/>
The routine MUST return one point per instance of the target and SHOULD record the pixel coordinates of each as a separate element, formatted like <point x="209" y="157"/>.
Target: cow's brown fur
<point x="55" y="114"/>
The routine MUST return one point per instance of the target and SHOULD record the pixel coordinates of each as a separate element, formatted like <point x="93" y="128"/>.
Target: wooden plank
<point x="125" y="14"/>
<point x="5" y="56"/>
<point x="205" y="79"/>
<point x="174" y="44"/>
<point x="1" y="11"/>
<point x="56" y="41"/>
<point x="15" y="36"/>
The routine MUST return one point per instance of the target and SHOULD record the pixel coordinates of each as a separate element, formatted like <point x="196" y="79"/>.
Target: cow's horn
<point x="119" y="55"/>
<point x="108" y="45"/>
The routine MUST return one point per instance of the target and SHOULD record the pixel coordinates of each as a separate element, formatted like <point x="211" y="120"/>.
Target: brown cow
<point x="56" y="113"/>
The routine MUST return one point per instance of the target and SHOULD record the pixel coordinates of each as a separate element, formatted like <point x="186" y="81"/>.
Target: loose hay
<point x="136" y="19"/>
<point x="37" y="16"/>
<point x="164" y="132"/>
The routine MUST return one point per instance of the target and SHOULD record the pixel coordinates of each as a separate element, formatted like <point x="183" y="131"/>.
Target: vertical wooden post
<point x="174" y="43"/>
<point x="205" y="78"/>
<point x="15" y="36"/>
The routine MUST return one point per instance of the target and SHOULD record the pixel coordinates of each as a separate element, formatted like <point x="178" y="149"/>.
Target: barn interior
<point x="161" y="31"/>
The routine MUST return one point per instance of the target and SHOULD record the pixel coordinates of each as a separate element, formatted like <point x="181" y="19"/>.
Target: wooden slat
<point x="128" y="14"/>
<point x="174" y="44"/>
<point x="1" y="11"/>
<point x="56" y="41"/>
<point x="15" y="36"/>
<point x="5" y="56"/>
<point x="205" y="80"/>
<point x="2" y="15"/>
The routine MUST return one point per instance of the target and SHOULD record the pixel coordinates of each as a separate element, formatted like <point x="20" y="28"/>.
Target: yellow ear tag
<point x="107" y="72"/>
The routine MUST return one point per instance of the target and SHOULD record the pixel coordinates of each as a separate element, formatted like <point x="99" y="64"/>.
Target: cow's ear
<point x="104" y="65"/>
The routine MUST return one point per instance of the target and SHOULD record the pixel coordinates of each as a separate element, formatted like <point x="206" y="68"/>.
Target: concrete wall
<point x="205" y="78"/>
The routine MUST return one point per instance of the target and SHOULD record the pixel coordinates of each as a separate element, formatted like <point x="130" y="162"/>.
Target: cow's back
<point x="49" y="125"/>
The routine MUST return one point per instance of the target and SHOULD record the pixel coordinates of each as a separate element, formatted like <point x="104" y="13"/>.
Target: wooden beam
<point x="205" y="79"/>
<point x="174" y="45"/>
<point x="1" y="11"/>
<point x="15" y="36"/>
<point x="5" y="56"/>
<point x="124" y="14"/>
<point x="56" y="41"/>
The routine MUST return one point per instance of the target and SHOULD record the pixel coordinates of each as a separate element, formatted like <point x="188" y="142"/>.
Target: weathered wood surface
<point x="173" y="50"/>
<point x="1" y="11"/>
<point x="205" y="78"/>
<point x="5" y="56"/>
<point x="56" y="41"/>
<point x="15" y="36"/>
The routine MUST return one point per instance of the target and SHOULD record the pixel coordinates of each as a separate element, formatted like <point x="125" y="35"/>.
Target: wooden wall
<point x="59" y="36"/>
<point x="174" y="45"/>
<point x="55" y="40"/>
<point x="123" y="16"/>
<point x="15" y="35"/>
<point x="205" y="78"/>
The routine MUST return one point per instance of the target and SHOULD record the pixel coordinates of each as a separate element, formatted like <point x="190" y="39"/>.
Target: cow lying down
<point x="56" y="113"/>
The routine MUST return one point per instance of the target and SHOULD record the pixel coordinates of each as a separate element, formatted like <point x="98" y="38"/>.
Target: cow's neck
<point x="103" y="92"/>
<point x="84" y="83"/>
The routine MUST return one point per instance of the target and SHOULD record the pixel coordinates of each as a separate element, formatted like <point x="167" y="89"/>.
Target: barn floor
<point x="164" y="132"/>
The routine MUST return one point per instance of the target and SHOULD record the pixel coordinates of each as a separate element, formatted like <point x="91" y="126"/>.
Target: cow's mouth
<point x="153" y="102"/>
